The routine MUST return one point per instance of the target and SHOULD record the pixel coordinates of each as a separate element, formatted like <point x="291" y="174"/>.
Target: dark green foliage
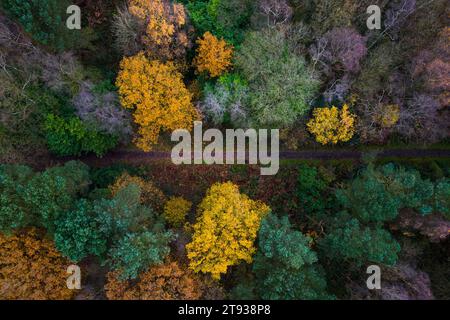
<point x="45" y="20"/>
<point x="243" y="291"/>
<point x="233" y="18"/>
<point x="73" y="137"/>
<point x="21" y="127"/>
<point x="377" y="194"/>
<point x="308" y="283"/>
<point x="357" y="244"/>
<point x="136" y="252"/>
<point x="368" y="199"/>
<point x="85" y="230"/>
<point x="311" y="192"/>
<point x="126" y="212"/>
<point x="38" y="199"/>
<point x="201" y="19"/>
<point x="75" y="174"/>
<point x="279" y="242"/>
<point x="407" y="185"/>
<point x="13" y="178"/>
<point x="47" y="198"/>
<point x="130" y="215"/>
<point x="131" y="234"/>
<point x="103" y="177"/>
<point x="226" y="19"/>
<point x="49" y="194"/>
<point x="142" y="240"/>
<point x="442" y="197"/>
<point x="285" y="265"/>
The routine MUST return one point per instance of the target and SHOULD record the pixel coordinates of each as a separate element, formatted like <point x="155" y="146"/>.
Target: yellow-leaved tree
<point x="225" y="230"/>
<point x="158" y="96"/>
<point x="166" y="31"/>
<point x="331" y="125"/>
<point x="213" y="55"/>
<point x="175" y="211"/>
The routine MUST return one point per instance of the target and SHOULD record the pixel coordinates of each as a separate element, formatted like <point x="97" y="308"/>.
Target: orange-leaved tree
<point x="158" y="96"/>
<point x="330" y="125"/>
<point x="31" y="268"/>
<point x="166" y="30"/>
<point x="213" y="55"/>
<point x="225" y="231"/>
<point x="168" y="281"/>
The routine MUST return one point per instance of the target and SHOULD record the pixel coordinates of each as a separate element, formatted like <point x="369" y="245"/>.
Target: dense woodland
<point x="139" y="69"/>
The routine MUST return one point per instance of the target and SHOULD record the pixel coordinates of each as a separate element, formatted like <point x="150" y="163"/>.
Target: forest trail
<point x="137" y="157"/>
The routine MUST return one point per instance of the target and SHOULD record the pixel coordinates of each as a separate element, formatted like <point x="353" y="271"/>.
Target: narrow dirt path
<point x="139" y="157"/>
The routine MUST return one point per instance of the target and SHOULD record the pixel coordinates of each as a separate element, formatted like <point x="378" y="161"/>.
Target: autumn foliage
<point x="176" y="209"/>
<point x="169" y="281"/>
<point x="225" y="231"/>
<point x="165" y="27"/>
<point x="330" y="125"/>
<point x="159" y="98"/>
<point x="31" y="268"/>
<point x="150" y="194"/>
<point x="143" y="228"/>
<point x="213" y="55"/>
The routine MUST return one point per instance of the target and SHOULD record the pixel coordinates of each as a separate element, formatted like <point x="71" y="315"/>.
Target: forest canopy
<point x="86" y="179"/>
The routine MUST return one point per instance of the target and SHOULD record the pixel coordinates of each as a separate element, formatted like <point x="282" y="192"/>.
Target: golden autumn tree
<point x="225" y="231"/>
<point x="168" y="281"/>
<point x="158" y="97"/>
<point x="150" y="194"/>
<point x="175" y="211"/>
<point x="166" y="29"/>
<point x="31" y="268"/>
<point x="213" y="55"/>
<point x="331" y="125"/>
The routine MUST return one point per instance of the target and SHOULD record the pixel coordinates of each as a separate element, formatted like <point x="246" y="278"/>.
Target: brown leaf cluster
<point x="31" y="268"/>
<point x="169" y="281"/>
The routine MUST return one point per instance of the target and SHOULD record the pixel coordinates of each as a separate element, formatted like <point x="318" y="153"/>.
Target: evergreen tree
<point x="285" y="266"/>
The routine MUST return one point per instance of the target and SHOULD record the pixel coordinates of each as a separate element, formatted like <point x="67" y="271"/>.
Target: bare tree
<point x="396" y="15"/>
<point x="102" y="111"/>
<point x="128" y="31"/>
<point x="421" y="120"/>
<point x="276" y="11"/>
